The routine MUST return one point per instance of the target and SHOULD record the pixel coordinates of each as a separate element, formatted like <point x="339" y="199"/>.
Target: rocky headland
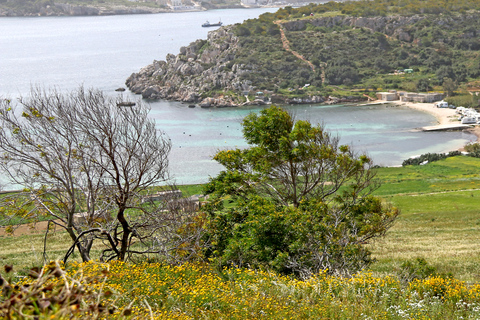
<point x="191" y="75"/>
<point x="208" y="71"/>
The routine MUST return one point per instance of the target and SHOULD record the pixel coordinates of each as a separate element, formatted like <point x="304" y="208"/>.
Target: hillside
<point x="324" y="52"/>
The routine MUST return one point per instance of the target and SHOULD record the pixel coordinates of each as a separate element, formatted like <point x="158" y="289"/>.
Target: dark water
<point x="101" y="52"/>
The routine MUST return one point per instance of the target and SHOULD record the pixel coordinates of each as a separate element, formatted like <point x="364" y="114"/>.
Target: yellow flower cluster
<point x="194" y="291"/>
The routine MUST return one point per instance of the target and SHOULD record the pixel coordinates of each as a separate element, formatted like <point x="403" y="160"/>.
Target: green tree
<point x="449" y="86"/>
<point x="302" y="202"/>
<point x="444" y="72"/>
<point x="423" y="85"/>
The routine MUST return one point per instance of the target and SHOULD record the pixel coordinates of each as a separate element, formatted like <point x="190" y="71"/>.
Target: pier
<point x="447" y="127"/>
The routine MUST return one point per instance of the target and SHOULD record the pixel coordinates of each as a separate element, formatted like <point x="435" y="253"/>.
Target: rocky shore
<point x="203" y="66"/>
<point x="207" y="73"/>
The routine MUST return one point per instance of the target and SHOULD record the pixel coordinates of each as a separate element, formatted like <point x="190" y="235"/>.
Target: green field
<point x="439" y="222"/>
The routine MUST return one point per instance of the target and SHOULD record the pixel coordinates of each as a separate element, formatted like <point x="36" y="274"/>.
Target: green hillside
<point x="361" y="45"/>
<point x="310" y="54"/>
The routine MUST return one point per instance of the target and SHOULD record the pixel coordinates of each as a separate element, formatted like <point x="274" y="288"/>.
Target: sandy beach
<point x="444" y="116"/>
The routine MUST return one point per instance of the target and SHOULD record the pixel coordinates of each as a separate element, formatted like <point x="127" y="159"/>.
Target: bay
<point x="97" y="51"/>
<point x="101" y="52"/>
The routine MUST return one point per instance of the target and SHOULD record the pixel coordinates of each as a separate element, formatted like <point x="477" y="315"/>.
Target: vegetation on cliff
<point x="342" y="49"/>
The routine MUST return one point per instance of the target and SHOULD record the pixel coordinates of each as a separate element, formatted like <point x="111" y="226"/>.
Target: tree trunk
<point x="126" y="233"/>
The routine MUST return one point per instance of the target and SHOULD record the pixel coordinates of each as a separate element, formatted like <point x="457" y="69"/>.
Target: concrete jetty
<point x="447" y="127"/>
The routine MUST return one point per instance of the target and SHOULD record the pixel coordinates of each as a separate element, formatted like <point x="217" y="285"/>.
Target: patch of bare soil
<point x="26" y="229"/>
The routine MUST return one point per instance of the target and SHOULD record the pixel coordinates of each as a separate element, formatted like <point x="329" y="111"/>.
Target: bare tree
<point x="87" y="161"/>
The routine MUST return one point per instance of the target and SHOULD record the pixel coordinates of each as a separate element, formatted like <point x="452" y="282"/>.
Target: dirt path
<point x="26" y="229"/>
<point x="417" y="194"/>
<point x="286" y="46"/>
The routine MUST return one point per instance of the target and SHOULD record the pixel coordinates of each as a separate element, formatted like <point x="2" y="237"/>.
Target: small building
<point x="249" y="2"/>
<point x="163" y="196"/>
<point x="421" y="97"/>
<point x="387" y="96"/>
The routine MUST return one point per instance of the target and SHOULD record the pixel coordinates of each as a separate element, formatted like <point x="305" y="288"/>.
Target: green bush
<point x="418" y="269"/>
<point x="472" y="147"/>
<point x="295" y="201"/>
<point x="429" y="157"/>
<point x="466" y="100"/>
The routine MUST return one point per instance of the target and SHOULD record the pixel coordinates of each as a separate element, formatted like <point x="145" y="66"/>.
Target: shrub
<point x="429" y="157"/>
<point x="302" y="202"/>
<point x="472" y="147"/>
<point x="418" y="269"/>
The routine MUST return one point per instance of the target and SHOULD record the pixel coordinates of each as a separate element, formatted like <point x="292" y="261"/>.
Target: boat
<point x="125" y="104"/>
<point x="208" y="24"/>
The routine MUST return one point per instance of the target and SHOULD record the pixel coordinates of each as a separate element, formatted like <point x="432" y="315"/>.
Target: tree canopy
<point x="302" y="202"/>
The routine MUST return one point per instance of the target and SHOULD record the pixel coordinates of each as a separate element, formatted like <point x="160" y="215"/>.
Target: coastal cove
<point x="102" y="52"/>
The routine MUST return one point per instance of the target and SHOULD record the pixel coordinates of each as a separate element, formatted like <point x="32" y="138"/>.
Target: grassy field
<point x="439" y="222"/>
<point x="196" y="291"/>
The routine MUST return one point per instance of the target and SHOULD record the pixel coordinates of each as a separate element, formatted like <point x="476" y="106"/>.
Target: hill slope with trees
<point x="311" y="53"/>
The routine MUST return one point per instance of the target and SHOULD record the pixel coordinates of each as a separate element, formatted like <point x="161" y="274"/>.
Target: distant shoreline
<point x="64" y="10"/>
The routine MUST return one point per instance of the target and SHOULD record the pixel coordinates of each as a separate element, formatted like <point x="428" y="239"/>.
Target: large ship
<point x="208" y="24"/>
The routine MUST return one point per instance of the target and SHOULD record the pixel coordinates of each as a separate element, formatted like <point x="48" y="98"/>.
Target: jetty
<point x="447" y="127"/>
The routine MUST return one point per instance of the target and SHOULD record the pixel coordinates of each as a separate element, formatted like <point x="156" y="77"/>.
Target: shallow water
<point x="386" y="133"/>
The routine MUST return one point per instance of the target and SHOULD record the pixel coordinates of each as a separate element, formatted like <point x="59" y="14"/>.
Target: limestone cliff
<point x="197" y="69"/>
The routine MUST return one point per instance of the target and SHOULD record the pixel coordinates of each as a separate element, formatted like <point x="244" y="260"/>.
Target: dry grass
<point x="26" y="251"/>
<point x="442" y="228"/>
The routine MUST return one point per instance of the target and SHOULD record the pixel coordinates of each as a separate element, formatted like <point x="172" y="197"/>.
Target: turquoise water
<point x="101" y="52"/>
<point x="386" y="133"/>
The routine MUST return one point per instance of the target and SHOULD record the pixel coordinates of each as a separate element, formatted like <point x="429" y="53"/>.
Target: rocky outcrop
<point x="392" y="26"/>
<point x="72" y="10"/>
<point x="396" y="26"/>
<point x="201" y="67"/>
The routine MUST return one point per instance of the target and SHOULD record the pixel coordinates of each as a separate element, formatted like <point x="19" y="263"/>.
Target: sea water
<point x="389" y="134"/>
<point x="101" y="52"/>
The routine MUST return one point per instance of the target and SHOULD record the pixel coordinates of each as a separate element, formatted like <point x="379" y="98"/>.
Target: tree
<point x="423" y="85"/>
<point x="444" y="72"/>
<point x="449" y="86"/>
<point x="303" y="202"/>
<point x="86" y="163"/>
